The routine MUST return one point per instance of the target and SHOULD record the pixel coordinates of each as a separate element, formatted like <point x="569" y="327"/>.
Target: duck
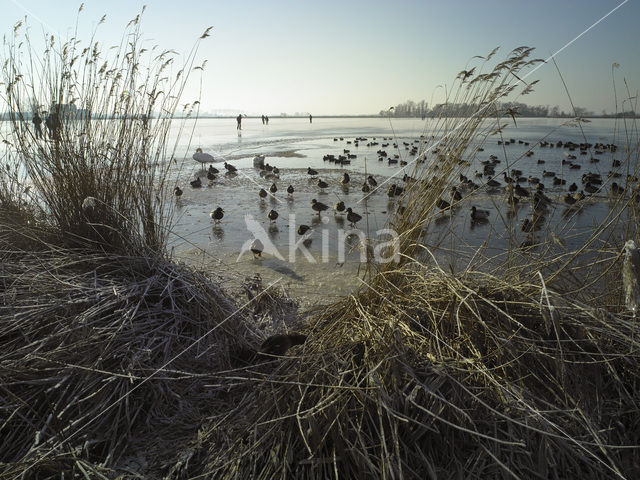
<point x="290" y="190"/>
<point x="312" y="172"/>
<point x="273" y="188"/>
<point x="318" y="206"/>
<point x="197" y="183"/>
<point x="589" y="188"/>
<point x="279" y="344"/>
<point x="616" y="189"/>
<point x="211" y="176"/>
<point x="559" y="181"/>
<point x="456" y="196"/>
<point x="442" y="204"/>
<point x="528" y="225"/>
<point x="257" y="248"/>
<point x="338" y="207"/>
<point x="230" y="168"/>
<point x="302" y="229"/>
<point x="479" y="215"/>
<point x="272" y="215"/>
<point x="322" y="184"/>
<point x="569" y="199"/>
<point x="493" y="183"/>
<point x="177" y="192"/>
<point x="263" y="193"/>
<point x="540" y="201"/>
<point x="573" y="187"/>
<point x="213" y="170"/>
<point x="520" y="191"/>
<point x="372" y="181"/>
<point x="353" y="217"/>
<point x="593" y="178"/>
<point x="366" y="188"/>
<point x="408" y="179"/>
<point x="398" y="191"/>
<point x="345" y="179"/>
<point x="217" y="214"/>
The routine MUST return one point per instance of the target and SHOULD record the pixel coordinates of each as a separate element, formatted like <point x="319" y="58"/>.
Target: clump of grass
<point x="444" y="157"/>
<point x="440" y="376"/>
<point x="98" y="326"/>
<point x="113" y="110"/>
<point x="101" y="351"/>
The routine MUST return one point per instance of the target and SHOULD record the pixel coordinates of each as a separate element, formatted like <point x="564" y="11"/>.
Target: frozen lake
<point x="328" y="265"/>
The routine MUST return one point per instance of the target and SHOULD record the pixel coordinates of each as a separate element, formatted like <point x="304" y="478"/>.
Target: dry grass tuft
<point x="98" y="173"/>
<point x="441" y="376"/>
<point x="101" y="351"/>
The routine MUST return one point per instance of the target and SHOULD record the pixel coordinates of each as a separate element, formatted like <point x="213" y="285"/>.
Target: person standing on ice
<point x="54" y="125"/>
<point x="310" y="119"/>
<point x="239" y="120"/>
<point x="37" y="121"/>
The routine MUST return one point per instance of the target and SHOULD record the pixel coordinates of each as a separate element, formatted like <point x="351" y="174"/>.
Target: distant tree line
<point x="421" y="109"/>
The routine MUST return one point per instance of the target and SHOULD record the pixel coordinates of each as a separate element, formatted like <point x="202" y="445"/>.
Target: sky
<point x="355" y="57"/>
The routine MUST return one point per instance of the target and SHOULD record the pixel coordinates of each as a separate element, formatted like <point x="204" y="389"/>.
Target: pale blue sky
<point x="353" y="57"/>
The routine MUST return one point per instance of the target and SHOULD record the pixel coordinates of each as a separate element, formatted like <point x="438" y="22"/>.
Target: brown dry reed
<point x="97" y="324"/>
<point x="114" y="107"/>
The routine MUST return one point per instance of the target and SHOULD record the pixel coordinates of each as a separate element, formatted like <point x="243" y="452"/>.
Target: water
<point x="334" y="258"/>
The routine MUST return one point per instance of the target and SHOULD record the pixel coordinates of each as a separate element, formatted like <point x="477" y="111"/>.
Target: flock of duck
<point x="518" y="186"/>
<point x="339" y="208"/>
<point x="272" y="172"/>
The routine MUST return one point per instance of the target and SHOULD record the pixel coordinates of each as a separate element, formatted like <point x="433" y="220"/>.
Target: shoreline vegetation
<point x="118" y="362"/>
